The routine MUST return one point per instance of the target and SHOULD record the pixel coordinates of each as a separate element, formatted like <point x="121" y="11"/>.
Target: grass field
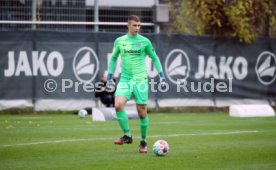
<point x="197" y="141"/>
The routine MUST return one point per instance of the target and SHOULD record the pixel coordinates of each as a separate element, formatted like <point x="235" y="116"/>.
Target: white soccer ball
<point x="82" y="113"/>
<point x="161" y="148"/>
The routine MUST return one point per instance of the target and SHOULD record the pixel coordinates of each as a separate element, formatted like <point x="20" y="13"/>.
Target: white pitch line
<point x="111" y="138"/>
<point x="55" y="141"/>
<point x="205" y="134"/>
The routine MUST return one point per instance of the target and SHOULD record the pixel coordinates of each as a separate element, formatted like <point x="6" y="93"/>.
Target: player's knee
<point x="119" y="106"/>
<point x="142" y="114"/>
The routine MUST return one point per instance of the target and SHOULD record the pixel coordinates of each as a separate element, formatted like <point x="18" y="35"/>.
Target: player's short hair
<point x="133" y="18"/>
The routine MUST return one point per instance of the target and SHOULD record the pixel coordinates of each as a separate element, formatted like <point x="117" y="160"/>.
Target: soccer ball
<point x="161" y="148"/>
<point x="82" y="113"/>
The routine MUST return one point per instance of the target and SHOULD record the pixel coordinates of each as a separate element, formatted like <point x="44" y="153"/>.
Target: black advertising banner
<point x="64" y="65"/>
<point x="13" y="84"/>
<point x="219" y="68"/>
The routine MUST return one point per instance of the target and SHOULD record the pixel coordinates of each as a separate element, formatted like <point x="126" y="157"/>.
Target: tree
<point x="242" y="19"/>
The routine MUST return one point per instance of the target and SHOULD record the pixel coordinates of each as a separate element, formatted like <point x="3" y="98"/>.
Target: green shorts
<point x="139" y="89"/>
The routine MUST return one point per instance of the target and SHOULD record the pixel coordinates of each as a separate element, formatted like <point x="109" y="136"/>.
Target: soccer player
<point x="133" y="49"/>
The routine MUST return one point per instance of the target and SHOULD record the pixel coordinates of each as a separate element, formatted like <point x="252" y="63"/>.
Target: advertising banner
<point x="64" y="65"/>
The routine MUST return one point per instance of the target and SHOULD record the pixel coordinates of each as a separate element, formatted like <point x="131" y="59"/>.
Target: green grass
<point x="197" y="141"/>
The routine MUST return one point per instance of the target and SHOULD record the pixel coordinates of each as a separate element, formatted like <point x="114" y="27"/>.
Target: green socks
<point x="123" y="121"/>
<point x="144" y="124"/>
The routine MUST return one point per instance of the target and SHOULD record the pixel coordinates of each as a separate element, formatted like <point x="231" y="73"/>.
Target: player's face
<point x="133" y="27"/>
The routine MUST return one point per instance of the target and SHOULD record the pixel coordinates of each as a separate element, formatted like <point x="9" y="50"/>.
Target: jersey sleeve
<point x="152" y="54"/>
<point x="114" y="57"/>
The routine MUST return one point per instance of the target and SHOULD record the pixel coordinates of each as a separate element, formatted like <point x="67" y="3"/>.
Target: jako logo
<point x="34" y="63"/>
<point x="266" y="67"/>
<point x="85" y="65"/>
<point x="177" y="66"/>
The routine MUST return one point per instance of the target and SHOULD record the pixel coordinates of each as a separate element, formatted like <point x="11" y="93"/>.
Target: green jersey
<point x="133" y="51"/>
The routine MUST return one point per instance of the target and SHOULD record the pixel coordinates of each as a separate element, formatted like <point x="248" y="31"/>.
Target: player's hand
<point x="163" y="83"/>
<point x="110" y="85"/>
<point x="110" y="82"/>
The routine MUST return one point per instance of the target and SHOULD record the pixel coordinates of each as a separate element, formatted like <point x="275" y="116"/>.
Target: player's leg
<point x="144" y="124"/>
<point x="122" y="95"/>
<point x="144" y="120"/>
<point x="122" y="118"/>
<point x="141" y="98"/>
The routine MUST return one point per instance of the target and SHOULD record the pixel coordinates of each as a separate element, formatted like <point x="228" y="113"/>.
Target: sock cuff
<point x="144" y="120"/>
<point x="121" y="112"/>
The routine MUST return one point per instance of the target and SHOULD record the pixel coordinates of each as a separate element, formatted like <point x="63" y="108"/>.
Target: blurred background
<point x="208" y="17"/>
<point x="80" y="15"/>
<point x="209" y="41"/>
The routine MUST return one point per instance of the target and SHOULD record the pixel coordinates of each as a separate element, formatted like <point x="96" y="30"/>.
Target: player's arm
<point x="112" y="64"/>
<point x="114" y="57"/>
<point x="155" y="59"/>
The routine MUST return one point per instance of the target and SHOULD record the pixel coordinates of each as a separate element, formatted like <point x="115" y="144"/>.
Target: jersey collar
<point x="132" y="37"/>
